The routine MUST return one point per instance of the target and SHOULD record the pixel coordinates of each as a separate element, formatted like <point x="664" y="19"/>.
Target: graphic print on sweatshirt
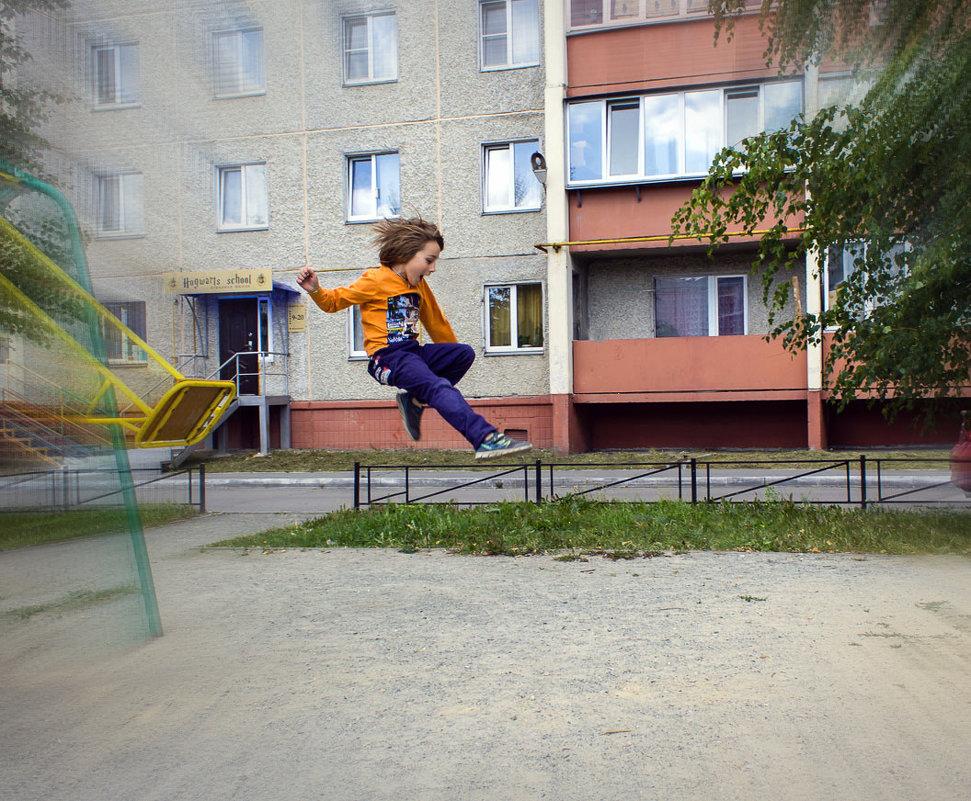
<point x="403" y="317"/>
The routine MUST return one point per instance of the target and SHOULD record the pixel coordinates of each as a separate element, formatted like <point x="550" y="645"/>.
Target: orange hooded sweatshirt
<point x="390" y="308"/>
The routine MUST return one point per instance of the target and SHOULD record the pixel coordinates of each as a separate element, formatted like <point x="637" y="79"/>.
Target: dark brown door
<point x="238" y="334"/>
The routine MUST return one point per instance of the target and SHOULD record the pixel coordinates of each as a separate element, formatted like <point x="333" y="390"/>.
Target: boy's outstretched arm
<point x="307" y="279"/>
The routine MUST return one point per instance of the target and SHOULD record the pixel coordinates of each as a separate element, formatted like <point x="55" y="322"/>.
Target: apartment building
<point x="669" y="344"/>
<point x="214" y="148"/>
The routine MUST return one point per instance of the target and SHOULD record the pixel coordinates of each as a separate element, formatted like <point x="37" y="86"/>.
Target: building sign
<point x="297" y="317"/>
<point x="218" y="281"/>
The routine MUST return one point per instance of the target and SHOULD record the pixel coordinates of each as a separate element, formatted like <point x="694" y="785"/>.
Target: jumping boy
<point x="394" y="298"/>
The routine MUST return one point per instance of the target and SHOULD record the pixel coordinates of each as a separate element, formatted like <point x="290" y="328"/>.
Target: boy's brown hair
<point x="399" y="239"/>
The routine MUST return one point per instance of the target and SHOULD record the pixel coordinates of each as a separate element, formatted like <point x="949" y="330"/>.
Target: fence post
<point x="202" y="488"/>
<point x="357" y="485"/>
<point x="694" y="480"/>
<point x="539" y="481"/>
<point x="863" y="481"/>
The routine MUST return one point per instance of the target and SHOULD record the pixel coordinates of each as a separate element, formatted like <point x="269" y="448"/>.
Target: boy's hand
<point x="307" y="279"/>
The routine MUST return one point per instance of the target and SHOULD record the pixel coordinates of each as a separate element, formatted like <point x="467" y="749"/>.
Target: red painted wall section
<point x="361" y="425"/>
<point x="698" y="425"/>
<point x="615" y="212"/>
<point x="686" y="364"/>
<point x="650" y="57"/>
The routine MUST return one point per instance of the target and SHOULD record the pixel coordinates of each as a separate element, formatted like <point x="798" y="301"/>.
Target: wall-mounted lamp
<point x="538" y="162"/>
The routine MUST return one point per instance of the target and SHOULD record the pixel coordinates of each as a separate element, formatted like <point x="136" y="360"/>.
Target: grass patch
<point x="21" y="529"/>
<point x="625" y="529"/>
<point x="70" y="602"/>
<point x="325" y="461"/>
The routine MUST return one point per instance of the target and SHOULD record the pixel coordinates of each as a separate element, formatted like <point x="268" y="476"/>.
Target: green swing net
<point x="67" y="421"/>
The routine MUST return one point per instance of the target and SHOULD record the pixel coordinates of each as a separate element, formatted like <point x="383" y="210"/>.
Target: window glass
<point x="118" y="345"/>
<point x="232" y="196"/>
<point x="703" y="130"/>
<point x="663" y="134"/>
<point x="528" y="192"/>
<point x="586" y="147"/>
<point x="741" y="114"/>
<point x="385" y="46"/>
<point x="525" y="27"/>
<point x="498" y="170"/>
<point x="356" y="344"/>
<point x="624" y="122"/>
<point x="586" y="12"/>
<point x="681" y="307"/>
<point x="529" y="316"/>
<point x="500" y="316"/>
<point x="387" y="180"/>
<point x="782" y="102"/>
<point x="238" y="62"/>
<point x="731" y="305"/>
<point x="493" y="34"/>
<point x="355" y="49"/>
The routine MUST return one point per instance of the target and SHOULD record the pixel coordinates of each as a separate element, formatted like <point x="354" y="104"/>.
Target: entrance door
<point x="238" y="327"/>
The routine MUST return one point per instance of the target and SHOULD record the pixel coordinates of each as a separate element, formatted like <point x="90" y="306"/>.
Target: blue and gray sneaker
<point x="411" y="411"/>
<point x="498" y="444"/>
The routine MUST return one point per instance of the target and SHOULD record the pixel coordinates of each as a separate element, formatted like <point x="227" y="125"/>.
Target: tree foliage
<point x="891" y="171"/>
<point x="22" y="107"/>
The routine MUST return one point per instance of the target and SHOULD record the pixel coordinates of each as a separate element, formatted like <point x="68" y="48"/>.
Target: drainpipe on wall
<point x="815" y="419"/>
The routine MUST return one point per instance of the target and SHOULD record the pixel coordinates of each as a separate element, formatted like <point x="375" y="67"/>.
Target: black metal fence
<point x="66" y="489"/>
<point x="855" y="481"/>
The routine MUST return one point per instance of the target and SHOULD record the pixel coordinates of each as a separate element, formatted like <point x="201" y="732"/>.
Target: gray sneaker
<point x="411" y="411"/>
<point x="498" y="444"/>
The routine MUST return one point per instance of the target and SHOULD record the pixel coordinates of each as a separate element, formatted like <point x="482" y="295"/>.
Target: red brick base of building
<point x="361" y="425"/>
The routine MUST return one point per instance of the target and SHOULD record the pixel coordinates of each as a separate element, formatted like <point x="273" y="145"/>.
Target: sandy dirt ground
<point x="351" y="675"/>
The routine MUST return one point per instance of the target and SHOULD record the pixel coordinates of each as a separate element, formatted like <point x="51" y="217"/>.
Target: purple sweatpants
<point x="430" y="372"/>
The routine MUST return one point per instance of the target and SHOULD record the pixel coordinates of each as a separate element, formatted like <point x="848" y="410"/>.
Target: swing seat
<point x="186" y="413"/>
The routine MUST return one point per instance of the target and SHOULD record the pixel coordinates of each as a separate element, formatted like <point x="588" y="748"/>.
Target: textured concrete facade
<point x="436" y="115"/>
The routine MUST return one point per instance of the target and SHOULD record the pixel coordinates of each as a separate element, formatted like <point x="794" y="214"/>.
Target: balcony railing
<point x="678" y="365"/>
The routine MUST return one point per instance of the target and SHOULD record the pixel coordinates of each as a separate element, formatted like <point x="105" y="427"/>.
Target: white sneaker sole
<point x="522" y="446"/>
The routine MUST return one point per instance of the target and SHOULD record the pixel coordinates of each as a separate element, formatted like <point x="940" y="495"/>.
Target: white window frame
<point x="605" y="107"/>
<point x="369" y="48"/>
<point x="248" y="182"/>
<point x="354" y="322"/>
<point x="511" y="36"/>
<point x="512" y="348"/>
<point x="488" y="175"/>
<point x="126" y="80"/>
<point x="237" y="85"/>
<point x="712" y="299"/>
<point x="129" y="199"/>
<point x="373" y="213"/>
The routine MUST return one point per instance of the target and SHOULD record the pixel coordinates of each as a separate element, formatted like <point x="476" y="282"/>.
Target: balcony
<point x="730" y="368"/>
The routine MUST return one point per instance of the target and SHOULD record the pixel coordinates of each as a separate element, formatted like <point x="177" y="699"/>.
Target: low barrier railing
<point x="67" y="489"/>
<point x="858" y="481"/>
